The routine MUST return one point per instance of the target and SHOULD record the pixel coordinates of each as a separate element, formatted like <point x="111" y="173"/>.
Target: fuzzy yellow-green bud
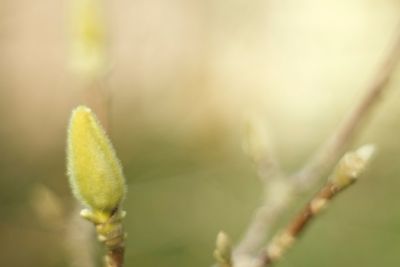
<point x="94" y="171"/>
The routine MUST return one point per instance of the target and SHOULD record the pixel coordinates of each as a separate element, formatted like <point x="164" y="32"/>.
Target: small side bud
<point x="223" y="250"/>
<point x="94" y="171"/>
<point x="352" y="165"/>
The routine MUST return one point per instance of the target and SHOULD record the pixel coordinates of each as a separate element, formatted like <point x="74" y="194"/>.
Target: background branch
<point x="279" y="189"/>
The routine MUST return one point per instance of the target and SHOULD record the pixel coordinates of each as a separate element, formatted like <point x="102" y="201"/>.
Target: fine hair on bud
<point x="94" y="171"/>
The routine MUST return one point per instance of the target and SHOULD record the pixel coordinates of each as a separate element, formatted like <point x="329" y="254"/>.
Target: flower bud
<point x="94" y="171"/>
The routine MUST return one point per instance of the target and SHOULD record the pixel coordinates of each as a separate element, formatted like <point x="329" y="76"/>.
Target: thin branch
<point x="279" y="190"/>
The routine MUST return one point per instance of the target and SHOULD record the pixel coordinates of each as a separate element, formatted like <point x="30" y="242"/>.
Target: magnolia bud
<point x="94" y="171"/>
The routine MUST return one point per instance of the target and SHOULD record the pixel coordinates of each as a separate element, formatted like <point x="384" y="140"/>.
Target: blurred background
<point x="183" y="77"/>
